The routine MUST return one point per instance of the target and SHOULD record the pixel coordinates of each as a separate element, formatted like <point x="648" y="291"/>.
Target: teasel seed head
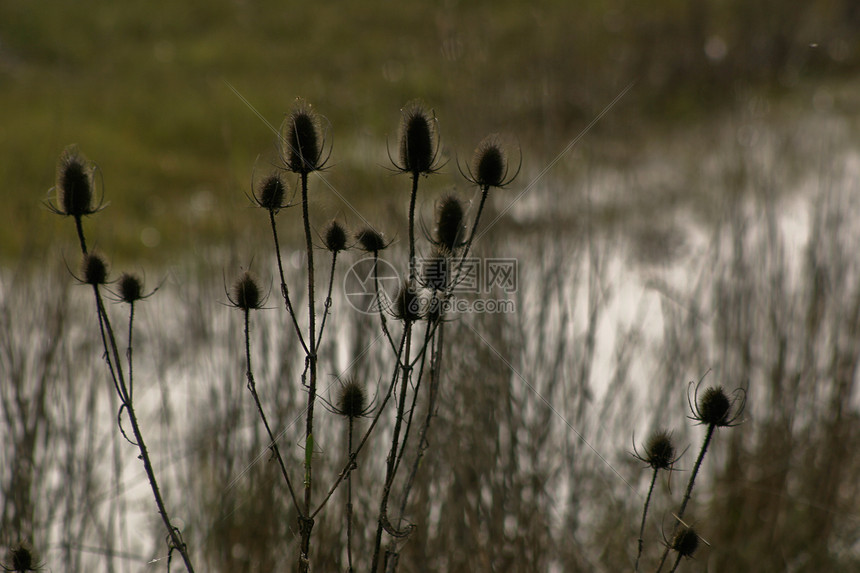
<point x="302" y="139"/>
<point x="75" y="184"/>
<point x="450" y="230"/>
<point x="490" y="166"/>
<point x="490" y="163"/>
<point x="408" y="305"/>
<point x="352" y="399"/>
<point x="21" y="559"/>
<point x="130" y="288"/>
<point x="334" y="236"/>
<point x="370" y="240"/>
<point x="246" y="293"/>
<point x="271" y="193"/>
<point x="419" y="140"/>
<point x="94" y="269"/>
<point x="714" y="406"/>
<point x="659" y="451"/>
<point x="685" y="541"/>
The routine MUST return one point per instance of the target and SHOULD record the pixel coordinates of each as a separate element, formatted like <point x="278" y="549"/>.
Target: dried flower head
<point x="334" y="236"/>
<point x="659" y="451"/>
<point x="352" y="400"/>
<point x="21" y="559"/>
<point x="130" y="288"/>
<point x="246" y="293"/>
<point x="685" y="541"/>
<point x="94" y="269"/>
<point x="490" y="166"/>
<point x="271" y="192"/>
<point x="75" y="184"/>
<point x="370" y="240"/>
<point x="419" y="140"/>
<point x="302" y="139"/>
<point x="450" y="230"/>
<point x="715" y="408"/>
<point x="408" y="305"/>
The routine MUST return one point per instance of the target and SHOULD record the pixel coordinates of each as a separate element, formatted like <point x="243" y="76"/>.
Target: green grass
<point x="143" y="88"/>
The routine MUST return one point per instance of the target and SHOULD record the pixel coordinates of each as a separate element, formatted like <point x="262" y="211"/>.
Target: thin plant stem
<point x="349" y="499"/>
<point x="79" y="227"/>
<point x="252" y="387"/>
<point x="677" y="562"/>
<point x="383" y="521"/>
<point x="129" y="351"/>
<point x="112" y="357"/>
<point x="405" y="366"/>
<point x="485" y="191"/>
<point x="644" y="516"/>
<point x="349" y="464"/>
<point x="306" y="524"/>
<point x="427" y="335"/>
<point x="328" y="300"/>
<point x="689" y="492"/>
<point x="423" y="443"/>
<point x="381" y="310"/>
<point x="412" y="199"/>
<point x="285" y="291"/>
<point x="435" y="343"/>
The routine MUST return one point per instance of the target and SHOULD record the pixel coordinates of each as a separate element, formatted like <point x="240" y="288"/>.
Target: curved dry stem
<point x="328" y="300"/>
<point x="285" y="291"/>
<point x="689" y="492"/>
<point x="349" y="464"/>
<point x="252" y="387"/>
<point x="644" y="517"/>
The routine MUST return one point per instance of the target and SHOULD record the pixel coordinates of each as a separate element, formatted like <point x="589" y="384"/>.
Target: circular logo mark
<point x="371" y="285"/>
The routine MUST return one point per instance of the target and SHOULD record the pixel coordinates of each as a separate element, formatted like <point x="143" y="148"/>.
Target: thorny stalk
<point x="709" y="433"/>
<point x="252" y="387"/>
<point x="112" y="357"/>
<point x="306" y="523"/>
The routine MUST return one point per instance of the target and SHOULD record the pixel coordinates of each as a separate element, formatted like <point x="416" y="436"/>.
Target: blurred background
<point x="144" y="89"/>
<point x="705" y="226"/>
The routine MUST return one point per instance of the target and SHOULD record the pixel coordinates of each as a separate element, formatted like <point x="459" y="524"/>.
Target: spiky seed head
<point x="351" y="400"/>
<point x="714" y="407"/>
<point x="302" y="139"/>
<point x="246" y="292"/>
<point x="75" y="183"/>
<point x="417" y="139"/>
<point x="94" y="269"/>
<point x="370" y="240"/>
<point x="335" y="237"/>
<point x="659" y="450"/>
<point x="408" y="305"/>
<point x="449" y="223"/>
<point x="490" y="165"/>
<point x="685" y="541"/>
<point x="130" y="288"/>
<point x="271" y="193"/>
<point x="22" y="559"/>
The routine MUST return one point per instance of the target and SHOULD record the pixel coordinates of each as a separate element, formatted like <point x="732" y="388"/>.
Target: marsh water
<point x="722" y="252"/>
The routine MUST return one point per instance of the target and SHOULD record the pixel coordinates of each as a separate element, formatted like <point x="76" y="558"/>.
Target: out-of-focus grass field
<point x="143" y="89"/>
